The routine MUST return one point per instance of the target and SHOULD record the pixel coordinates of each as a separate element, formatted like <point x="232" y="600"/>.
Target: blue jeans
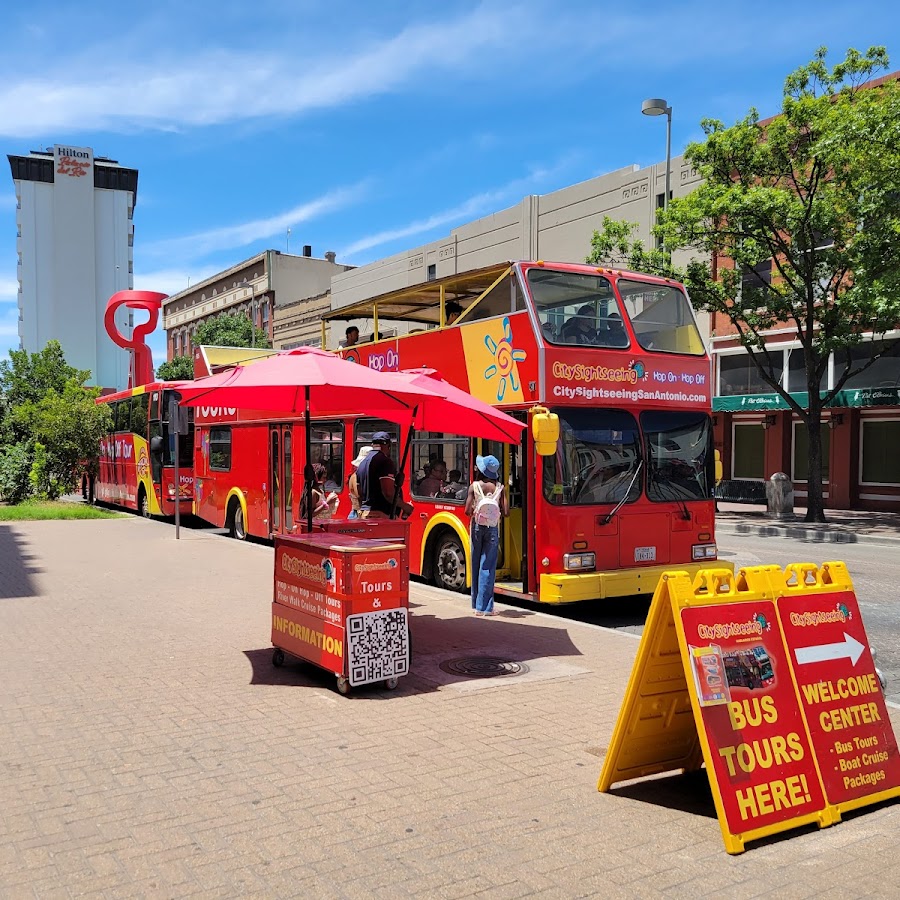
<point x="485" y="546"/>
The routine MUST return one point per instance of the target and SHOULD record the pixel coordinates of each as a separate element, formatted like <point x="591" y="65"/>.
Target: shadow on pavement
<point x="16" y="566"/>
<point x="688" y="793"/>
<point x="434" y="640"/>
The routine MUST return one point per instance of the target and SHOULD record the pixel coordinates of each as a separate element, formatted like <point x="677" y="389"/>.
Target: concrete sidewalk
<point x="148" y="748"/>
<point x="843" y="526"/>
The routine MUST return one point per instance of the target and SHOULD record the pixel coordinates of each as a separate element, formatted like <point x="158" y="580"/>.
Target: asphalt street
<point x="875" y="570"/>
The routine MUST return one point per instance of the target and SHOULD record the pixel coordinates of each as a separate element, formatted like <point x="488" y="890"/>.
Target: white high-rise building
<point x="74" y="240"/>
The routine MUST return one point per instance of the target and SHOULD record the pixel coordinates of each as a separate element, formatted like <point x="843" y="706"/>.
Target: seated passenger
<point x="454" y="489"/>
<point x="615" y="335"/>
<point x="580" y="329"/>
<point x="453" y="311"/>
<point x="548" y="331"/>
<point x="431" y="484"/>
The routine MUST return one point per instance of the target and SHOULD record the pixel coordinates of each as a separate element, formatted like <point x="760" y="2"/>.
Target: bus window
<point x="185" y="441"/>
<point x="440" y="465"/>
<point x="220" y="449"/>
<point x="156" y="459"/>
<point x="123" y="415"/>
<point x="661" y="317"/>
<point x="365" y="428"/>
<point x="680" y="458"/>
<point x="596" y="460"/>
<point x="327" y="447"/>
<point x="574" y="308"/>
<point x="504" y="299"/>
<point x="288" y="481"/>
<point x="139" y="409"/>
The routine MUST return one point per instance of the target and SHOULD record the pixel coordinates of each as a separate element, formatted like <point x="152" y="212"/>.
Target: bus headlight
<point x="704" y="551"/>
<point x="576" y="561"/>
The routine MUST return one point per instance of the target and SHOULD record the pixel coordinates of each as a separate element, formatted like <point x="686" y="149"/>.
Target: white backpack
<point x="487" y="506"/>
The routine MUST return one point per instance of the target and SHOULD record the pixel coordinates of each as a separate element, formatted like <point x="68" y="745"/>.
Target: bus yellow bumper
<point x="622" y="583"/>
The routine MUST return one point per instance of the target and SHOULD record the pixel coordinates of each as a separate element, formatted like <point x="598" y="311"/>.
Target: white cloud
<point x="242" y="234"/>
<point x="225" y="85"/>
<point x="478" y="205"/>
<point x="9" y="290"/>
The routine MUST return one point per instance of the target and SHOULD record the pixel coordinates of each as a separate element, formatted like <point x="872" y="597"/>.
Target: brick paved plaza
<point x="148" y="748"/>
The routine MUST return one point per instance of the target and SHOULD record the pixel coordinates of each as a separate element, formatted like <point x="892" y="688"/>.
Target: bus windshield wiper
<point x="621" y="503"/>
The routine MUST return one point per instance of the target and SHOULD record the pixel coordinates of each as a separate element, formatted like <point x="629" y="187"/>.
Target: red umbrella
<point x="310" y="381"/>
<point x="465" y="414"/>
<point x="468" y="415"/>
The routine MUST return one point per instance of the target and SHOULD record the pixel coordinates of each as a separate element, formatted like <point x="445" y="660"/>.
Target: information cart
<point x="341" y="601"/>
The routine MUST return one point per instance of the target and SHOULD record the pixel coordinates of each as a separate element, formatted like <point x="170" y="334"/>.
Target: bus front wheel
<point x="449" y="566"/>
<point x="238" y="527"/>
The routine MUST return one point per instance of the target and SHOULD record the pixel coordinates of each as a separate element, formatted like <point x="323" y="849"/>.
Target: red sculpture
<point x="142" y="358"/>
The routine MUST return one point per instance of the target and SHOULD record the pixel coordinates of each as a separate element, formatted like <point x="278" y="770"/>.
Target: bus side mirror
<point x="156" y="445"/>
<point x="544" y="430"/>
<point x="720" y="471"/>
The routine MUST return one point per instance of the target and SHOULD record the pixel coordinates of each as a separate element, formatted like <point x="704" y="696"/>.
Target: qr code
<point x="377" y="645"/>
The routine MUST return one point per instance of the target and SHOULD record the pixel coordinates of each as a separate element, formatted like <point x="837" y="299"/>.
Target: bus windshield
<point x="661" y="317"/>
<point x="680" y="458"/>
<point x="596" y="460"/>
<point x="575" y="308"/>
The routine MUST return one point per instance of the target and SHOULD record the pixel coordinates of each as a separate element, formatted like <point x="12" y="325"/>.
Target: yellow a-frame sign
<point x="714" y="682"/>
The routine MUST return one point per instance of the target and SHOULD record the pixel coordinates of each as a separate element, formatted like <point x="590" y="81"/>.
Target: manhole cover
<point x="482" y="667"/>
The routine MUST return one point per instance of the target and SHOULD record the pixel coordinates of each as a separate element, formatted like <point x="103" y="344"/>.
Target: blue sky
<point x="367" y="129"/>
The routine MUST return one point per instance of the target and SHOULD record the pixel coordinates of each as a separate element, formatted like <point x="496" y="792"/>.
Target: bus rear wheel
<point x="143" y="505"/>
<point x="238" y="528"/>
<point x="449" y="565"/>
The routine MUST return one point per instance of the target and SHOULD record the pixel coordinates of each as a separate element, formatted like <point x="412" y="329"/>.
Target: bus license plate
<point x="645" y="554"/>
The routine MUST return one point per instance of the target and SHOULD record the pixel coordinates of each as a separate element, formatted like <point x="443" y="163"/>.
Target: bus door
<point x="281" y="494"/>
<point x="511" y="565"/>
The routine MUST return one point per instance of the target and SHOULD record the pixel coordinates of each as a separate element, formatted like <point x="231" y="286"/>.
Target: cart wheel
<point x="391" y="683"/>
<point x="343" y="685"/>
<point x="278" y="658"/>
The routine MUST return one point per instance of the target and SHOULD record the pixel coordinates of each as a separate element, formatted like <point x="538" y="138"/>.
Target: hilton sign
<point x="73" y="161"/>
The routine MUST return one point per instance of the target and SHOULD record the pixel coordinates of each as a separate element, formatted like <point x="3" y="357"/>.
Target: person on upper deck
<point x="615" y="335"/>
<point x="580" y="328"/>
<point x="453" y="311"/>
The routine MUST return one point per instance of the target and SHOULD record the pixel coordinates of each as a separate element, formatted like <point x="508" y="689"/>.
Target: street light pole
<point x="247" y="284"/>
<point x="656" y="106"/>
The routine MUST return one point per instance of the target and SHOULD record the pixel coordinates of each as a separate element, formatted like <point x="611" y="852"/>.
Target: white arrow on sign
<point x="849" y="647"/>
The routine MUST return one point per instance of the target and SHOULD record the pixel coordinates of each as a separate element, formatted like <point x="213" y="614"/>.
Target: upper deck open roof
<point x="422" y="302"/>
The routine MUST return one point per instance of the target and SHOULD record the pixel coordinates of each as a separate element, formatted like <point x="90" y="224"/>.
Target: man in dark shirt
<point x="375" y="480"/>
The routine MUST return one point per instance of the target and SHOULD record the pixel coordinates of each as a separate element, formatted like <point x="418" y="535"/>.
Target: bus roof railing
<point x="422" y="302"/>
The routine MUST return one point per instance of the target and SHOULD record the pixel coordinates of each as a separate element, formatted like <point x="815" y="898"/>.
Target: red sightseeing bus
<point x="616" y="355"/>
<point x="137" y="457"/>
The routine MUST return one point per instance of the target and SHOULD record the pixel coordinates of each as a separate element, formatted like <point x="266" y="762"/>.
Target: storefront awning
<point x="856" y="397"/>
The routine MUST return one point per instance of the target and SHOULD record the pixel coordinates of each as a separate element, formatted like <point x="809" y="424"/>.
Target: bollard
<point x="780" y="497"/>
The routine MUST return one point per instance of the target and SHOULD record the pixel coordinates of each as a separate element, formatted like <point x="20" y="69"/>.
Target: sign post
<point x="178" y="425"/>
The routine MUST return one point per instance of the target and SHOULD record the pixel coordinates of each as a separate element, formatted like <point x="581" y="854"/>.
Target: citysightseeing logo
<point x="319" y="573"/>
<point x="724" y="630"/>
<point x="375" y="567"/>
<point x="822" y="616"/>
<point x="629" y="374"/>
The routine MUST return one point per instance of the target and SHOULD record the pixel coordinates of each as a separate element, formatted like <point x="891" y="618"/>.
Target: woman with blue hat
<point x="486" y="503"/>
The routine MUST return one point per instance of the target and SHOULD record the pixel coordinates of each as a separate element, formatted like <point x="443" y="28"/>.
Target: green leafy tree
<point x="179" y="368"/>
<point x="230" y="331"/>
<point x="65" y="429"/>
<point x="27" y="378"/>
<point x="814" y="190"/>
<point x="15" y="469"/>
<point x="616" y="247"/>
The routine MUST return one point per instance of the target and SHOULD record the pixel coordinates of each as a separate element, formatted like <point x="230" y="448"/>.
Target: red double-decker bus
<point x="137" y="457"/>
<point x="616" y="355"/>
